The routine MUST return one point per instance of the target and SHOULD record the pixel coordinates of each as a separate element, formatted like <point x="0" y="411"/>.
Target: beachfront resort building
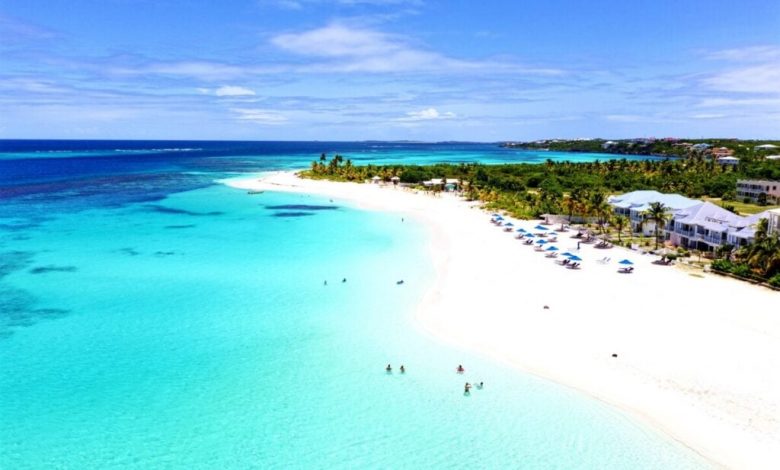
<point x="693" y="224"/>
<point x="752" y="190"/>
<point x="774" y="220"/>
<point x="633" y="205"/>
<point x="706" y="226"/>
<point x="448" y="184"/>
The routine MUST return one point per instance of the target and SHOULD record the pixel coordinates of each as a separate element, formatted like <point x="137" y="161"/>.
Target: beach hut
<point x="395" y="180"/>
<point x="376" y="179"/>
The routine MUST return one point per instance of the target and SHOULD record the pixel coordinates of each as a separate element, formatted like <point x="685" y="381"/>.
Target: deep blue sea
<point x="151" y="317"/>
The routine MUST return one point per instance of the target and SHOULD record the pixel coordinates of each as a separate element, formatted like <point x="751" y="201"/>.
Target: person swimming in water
<point x="480" y="385"/>
<point x="324" y="283"/>
<point x="467" y="388"/>
<point x="344" y="280"/>
<point x="460" y="369"/>
<point x="388" y="368"/>
<point x="403" y="369"/>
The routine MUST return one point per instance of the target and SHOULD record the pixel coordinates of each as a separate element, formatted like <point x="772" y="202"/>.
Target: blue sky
<point x="388" y="69"/>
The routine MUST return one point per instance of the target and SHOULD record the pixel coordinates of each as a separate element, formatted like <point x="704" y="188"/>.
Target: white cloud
<point x="747" y="54"/>
<point x="260" y="116"/>
<point x="757" y="79"/>
<point x="624" y="117"/>
<point x="233" y="91"/>
<point x="736" y="102"/>
<point x="346" y="49"/>
<point x="428" y="114"/>
<point x="201" y="70"/>
<point x="298" y="4"/>
<point x="709" y="116"/>
<point x="338" y="41"/>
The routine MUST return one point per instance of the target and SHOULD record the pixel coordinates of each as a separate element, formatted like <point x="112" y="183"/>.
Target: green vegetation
<point x="759" y="261"/>
<point x="580" y="190"/>
<point x="575" y="189"/>
<point x="738" y="207"/>
<point x="743" y="149"/>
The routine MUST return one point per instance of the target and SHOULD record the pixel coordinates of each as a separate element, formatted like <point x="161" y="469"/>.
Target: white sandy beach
<point x="698" y="356"/>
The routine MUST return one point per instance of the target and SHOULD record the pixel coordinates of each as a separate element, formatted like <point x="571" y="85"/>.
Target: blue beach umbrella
<point x="552" y="248"/>
<point x="553" y="233"/>
<point x="530" y="235"/>
<point x="626" y="262"/>
<point x="575" y="258"/>
<point x="541" y="242"/>
<point x="510" y="224"/>
<point x="496" y="215"/>
<point x="540" y="227"/>
<point x="521" y="229"/>
<point x="568" y="254"/>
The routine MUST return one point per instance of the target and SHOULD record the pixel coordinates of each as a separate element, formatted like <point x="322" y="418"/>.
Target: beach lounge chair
<point x="604" y="260"/>
<point x="573" y="266"/>
<point x="563" y="262"/>
<point x="551" y="255"/>
<point x="529" y="242"/>
<point x="626" y="270"/>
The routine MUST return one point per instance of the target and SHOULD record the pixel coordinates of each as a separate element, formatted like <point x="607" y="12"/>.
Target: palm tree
<point x="763" y="255"/>
<point x="571" y="202"/>
<point x="658" y="213"/>
<point x="599" y="207"/>
<point x="620" y="221"/>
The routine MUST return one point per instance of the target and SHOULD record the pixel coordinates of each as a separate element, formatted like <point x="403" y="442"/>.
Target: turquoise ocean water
<point x="150" y="318"/>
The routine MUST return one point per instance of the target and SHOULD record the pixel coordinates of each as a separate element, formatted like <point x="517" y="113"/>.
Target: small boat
<point x="255" y="192"/>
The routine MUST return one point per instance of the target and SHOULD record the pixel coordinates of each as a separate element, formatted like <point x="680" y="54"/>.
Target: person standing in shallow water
<point x="403" y="369"/>
<point x="388" y="368"/>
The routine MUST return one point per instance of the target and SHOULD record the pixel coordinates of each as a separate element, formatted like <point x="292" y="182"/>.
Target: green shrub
<point x="774" y="281"/>
<point x="741" y="270"/>
<point x="722" y="265"/>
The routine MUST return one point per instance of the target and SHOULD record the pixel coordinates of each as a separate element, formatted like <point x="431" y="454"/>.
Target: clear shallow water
<point x="192" y="329"/>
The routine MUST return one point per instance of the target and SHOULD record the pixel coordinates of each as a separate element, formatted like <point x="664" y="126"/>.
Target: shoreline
<point x="697" y="356"/>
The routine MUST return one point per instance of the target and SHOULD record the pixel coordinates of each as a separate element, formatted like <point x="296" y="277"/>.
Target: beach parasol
<point x="575" y="258"/>
<point x="509" y="224"/>
<point x="552" y="248"/>
<point x="521" y="230"/>
<point x="626" y="262"/>
<point x="541" y="242"/>
<point x="540" y="227"/>
<point x="568" y="254"/>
